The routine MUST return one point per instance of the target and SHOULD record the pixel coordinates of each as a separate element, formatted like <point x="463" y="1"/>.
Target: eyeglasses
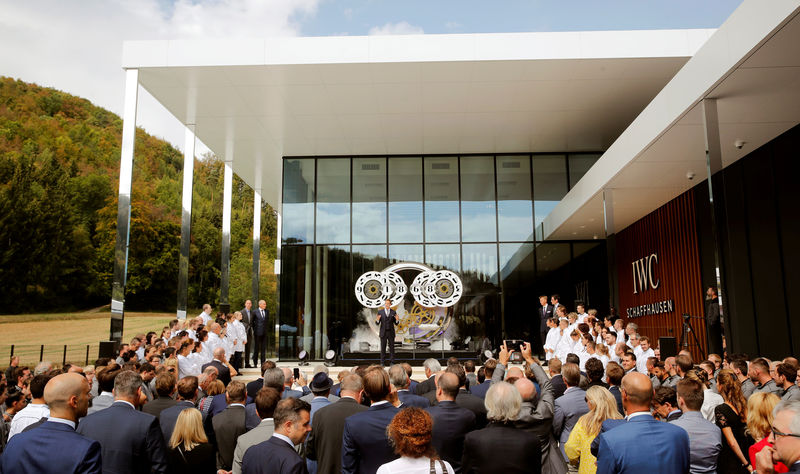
<point x="776" y="433"/>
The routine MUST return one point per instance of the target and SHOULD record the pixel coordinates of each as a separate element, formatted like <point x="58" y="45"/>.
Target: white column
<point x="186" y="220"/>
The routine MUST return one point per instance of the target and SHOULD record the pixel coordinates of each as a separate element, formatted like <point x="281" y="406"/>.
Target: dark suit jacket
<point x="247" y="317"/>
<point x="412" y="386"/>
<point x="251" y="418"/>
<point x="258" y="323"/>
<point x="428" y="385"/>
<point x="474" y="404"/>
<point x="618" y="397"/>
<point x="536" y="417"/>
<point x="409" y="399"/>
<point x="223" y="370"/>
<point x="544" y="315"/>
<point x="644" y="444"/>
<point x="501" y="448"/>
<point x="364" y="443"/>
<point x="273" y="456"/>
<point x="324" y="443"/>
<point x="794" y="467"/>
<point x="559" y="387"/>
<point x="481" y="389"/>
<point x="199" y="460"/>
<point x="674" y="415"/>
<point x="169" y="416"/>
<point x="228" y="425"/>
<point x="607" y="425"/>
<point x="131" y="441"/>
<point x="156" y="406"/>
<point x="253" y="388"/>
<point x="51" y="448"/>
<point x="387" y="323"/>
<point x="450" y="424"/>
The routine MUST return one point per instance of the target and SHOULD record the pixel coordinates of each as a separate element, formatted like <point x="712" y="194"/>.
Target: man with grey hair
<point x="520" y="449"/>
<point x="43" y="367"/>
<point x="131" y="440"/>
<point x="432" y="367"/>
<point x="221" y="364"/>
<point x="399" y="378"/>
<point x="785" y="439"/>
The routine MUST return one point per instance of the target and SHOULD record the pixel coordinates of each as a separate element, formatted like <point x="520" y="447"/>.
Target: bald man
<point x="219" y="363"/>
<point x="55" y="447"/>
<point x="643" y="444"/>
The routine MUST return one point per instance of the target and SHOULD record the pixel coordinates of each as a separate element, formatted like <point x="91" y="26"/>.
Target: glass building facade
<point x="476" y="215"/>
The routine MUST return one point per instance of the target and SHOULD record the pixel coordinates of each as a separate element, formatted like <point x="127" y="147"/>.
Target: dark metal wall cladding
<point x="670" y="231"/>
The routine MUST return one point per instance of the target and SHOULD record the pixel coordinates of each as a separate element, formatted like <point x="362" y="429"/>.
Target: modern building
<point x="629" y="170"/>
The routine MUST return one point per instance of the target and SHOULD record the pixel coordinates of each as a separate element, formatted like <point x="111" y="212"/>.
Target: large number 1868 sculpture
<point x="435" y="295"/>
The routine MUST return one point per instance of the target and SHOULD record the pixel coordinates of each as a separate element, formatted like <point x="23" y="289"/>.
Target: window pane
<point x="333" y="200"/>
<point x="514" y="206"/>
<point x="480" y="263"/>
<point x="298" y="201"/>
<point x="441" y="200"/>
<point x="405" y="253"/>
<point x="579" y="165"/>
<point x="519" y="300"/>
<point x="443" y="257"/>
<point x="549" y="184"/>
<point x="333" y="290"/>
<point x="405" y="199"/>
<point x="551" y="258"/>
<point x="369" y="200"/>
<point x="478" y="214"/>
<point x="296" y="291"/>
<point x="477" y="314"/>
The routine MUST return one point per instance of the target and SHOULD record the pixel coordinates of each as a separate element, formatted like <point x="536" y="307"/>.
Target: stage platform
<point x="415" y="358"/>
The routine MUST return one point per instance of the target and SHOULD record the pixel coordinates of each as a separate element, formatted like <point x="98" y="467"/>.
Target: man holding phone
<point x="387" y="319"/>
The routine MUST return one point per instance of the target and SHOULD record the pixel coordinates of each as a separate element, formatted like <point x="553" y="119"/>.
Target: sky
<point x="76" y="45"/>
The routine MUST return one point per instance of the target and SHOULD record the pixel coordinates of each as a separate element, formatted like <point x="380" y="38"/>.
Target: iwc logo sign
<point x="435" y="293"/>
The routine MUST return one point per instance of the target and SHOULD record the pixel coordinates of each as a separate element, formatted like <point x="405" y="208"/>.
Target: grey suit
<point x="792" y="394"/>
<point x="229" y="424"/>
<point x="748" y="387"/>
<point x="538" y="419"/>
<point x="568" y="408"/>
<point x="257" y="435"/>
<point x="308" y="398"/>
<point x="705" y="441"/>
<point x="104" y="400"/>
<point x="246" y="318"/>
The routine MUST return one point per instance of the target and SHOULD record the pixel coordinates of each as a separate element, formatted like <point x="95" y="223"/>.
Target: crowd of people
<point x="602" y="401"/>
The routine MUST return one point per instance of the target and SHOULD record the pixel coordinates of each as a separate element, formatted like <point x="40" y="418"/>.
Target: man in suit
<point x="387" y="319"/>
<point x="325" y="441"/>
<point x="230" y="424"/>
<point x="412" y="384"/>
<point x="399" y="378"/>
<point x="713" y="322"/>
<point x="187" y="394"/>
<point x="258" y="325"/>
<point x="432" y="367"/>
<point x="105" y="382"/>
<point x="365" y="445"/>
<point x="55" y="447"/>
<point x="785" y="440"/>
<point x="310" y="395"/>
<point x="165" y="388"/>
<point x="464" y="399"/>
<point x="266" y="400"/>
<point x="488" y="370"/>
<point x="536" y="416"/>
<point x="247" y="317"/>
<point x="546" y="312"/>
<point x="255" y="385"/>
<point x="450" y="421"/>
<point x="320" y="391"/>
<point x="277" y="454"/>
<point x="570" y="406"/>
<point x="131" y="440"/>
<point x="614" y="374"/>
<point x="500" y="447"/>
<point x="665" y="404"/>
<point x="219" y="363"/>
<point x="288" y="378"/>
<point x="557" y="380"/>
<point x="643" y="444"/>
<point x="705" y="438"/>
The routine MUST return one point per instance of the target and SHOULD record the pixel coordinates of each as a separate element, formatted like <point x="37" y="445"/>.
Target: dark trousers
<point x="259" y="348"/>
<point x="387" y="340"/>
<point x="236" y="360"/>
<point x="248" y="349"/>
<point x="715" y="338"/>
<point x="543" y="336"/>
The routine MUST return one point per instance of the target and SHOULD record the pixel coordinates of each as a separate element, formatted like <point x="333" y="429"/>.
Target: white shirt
<point x="237" y="332"/>
<point x="638" y="413"/>
<point x="711" y="400"/>
<point x="26" y="417"/>
<point x="187" y="366"/>
<point x="283" y="437"/>
<point x="641" y="359"/>
<point x="206" y="318"/>
<point x="582" y="317"/>
<point x="406" y="465"/>
<point x="140" y="353"/>
<point x="565" y="346"/>
<point x="62" y="421"/>
<point x="551" y="342"/>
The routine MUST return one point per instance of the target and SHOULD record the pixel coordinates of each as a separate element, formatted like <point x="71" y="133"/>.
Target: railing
<point x="32" y="354"/>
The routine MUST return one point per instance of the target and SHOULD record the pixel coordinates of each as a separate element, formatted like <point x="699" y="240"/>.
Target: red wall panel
<point x="670" y="233"/>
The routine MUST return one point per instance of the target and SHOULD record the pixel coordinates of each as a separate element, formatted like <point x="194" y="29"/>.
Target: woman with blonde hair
<point x="759" y="424"/>
<point x="730" y="418"/>
<point x="602" y="407"/>
<point x="189" y="449"/>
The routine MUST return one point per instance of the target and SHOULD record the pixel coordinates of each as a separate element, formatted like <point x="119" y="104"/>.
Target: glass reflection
<point x="549" y="184"/>
<point x="478" y="212"/>
<point x="333" y="200"/>
<point x="405" y="253"/>
<point x="579" y="165"/>
<point x="441" y="200"/>
<point x="369" y="200"/>
<point x="331" y="301"/>
<point x="518" y="279"/>
<point x="443" y="257"/>
<point x="405" y="199"/>
<point x="514" y="206"/>
<point x="298" y="201"/>
<point x="296" y="292"/>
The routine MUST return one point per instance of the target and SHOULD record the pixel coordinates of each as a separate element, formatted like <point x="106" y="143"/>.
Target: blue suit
<point x="51" y="448"/>
<point x="273" y="456"/>
<point x="643" y="444"/>
<point x="169" y="416"/>
<point x="131" y="440"/>
<point x="364" y="443"/>
<point x="451" y="423"/>
<point x="316" y="404"/>
<point x="411" y="400"/>
<point x="481" y="389"/>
